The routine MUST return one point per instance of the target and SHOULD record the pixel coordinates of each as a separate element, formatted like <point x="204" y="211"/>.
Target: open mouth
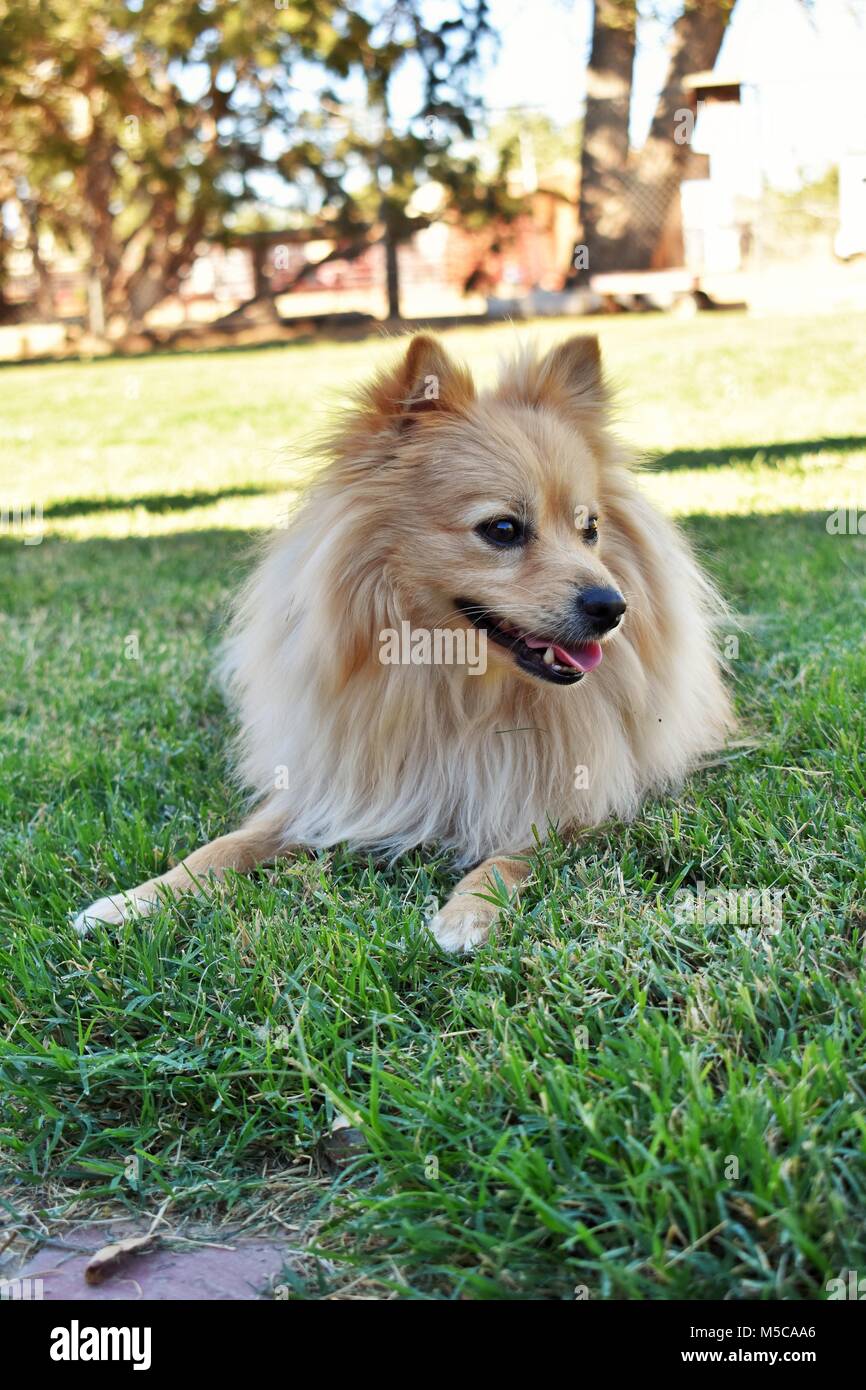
<point x="543" y="657"/>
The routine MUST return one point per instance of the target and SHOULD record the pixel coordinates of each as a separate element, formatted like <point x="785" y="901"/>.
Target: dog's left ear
<point x="569" y="379"/>
<point x="425" y="382"/>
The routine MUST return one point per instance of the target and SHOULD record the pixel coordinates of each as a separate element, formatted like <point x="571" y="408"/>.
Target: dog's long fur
<point x="338" y="747"/>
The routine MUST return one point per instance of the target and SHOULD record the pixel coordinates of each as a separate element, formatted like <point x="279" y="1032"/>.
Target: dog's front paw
<point x="463" y="923"/>
<point x="112" y="911"/>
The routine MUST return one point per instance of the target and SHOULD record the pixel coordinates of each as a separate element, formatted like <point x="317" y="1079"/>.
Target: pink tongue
<point x="583" y="658"/>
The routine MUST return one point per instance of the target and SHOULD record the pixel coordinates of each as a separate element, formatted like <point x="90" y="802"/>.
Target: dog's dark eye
<point x="590" y="530"/>
<point x="502" y="530"/>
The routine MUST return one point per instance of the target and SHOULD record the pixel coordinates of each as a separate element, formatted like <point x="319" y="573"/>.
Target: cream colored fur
<point x="337" y="747"/>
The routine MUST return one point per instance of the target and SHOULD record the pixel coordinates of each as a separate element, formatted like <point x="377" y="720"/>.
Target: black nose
<point x="602" y="607"/>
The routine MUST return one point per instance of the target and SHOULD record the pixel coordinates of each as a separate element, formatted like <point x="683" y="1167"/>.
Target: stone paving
<point x="226" y="1269"/>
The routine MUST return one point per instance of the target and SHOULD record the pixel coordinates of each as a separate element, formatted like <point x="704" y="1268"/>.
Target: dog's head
<point x="485" y="511"/>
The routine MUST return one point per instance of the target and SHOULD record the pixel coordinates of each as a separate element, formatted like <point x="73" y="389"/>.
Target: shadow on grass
<point x="764" y="559"/>
<point x="157" y="501"/>
<point x="754" y="453"/>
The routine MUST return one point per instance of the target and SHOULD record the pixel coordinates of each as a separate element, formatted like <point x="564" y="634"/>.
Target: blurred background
<point x="178" y="175"/>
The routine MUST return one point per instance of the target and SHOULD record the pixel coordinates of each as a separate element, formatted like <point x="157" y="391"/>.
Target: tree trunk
<point x="95" y="306"/>
<point x="626" y="204"/>
<point x="6" y="309"/>
<point x="261" y="280"/>
<point x="392" y="275"/>
<point x="604" y="210"/>
<point x="663" y="162"/>
<point x="171" y="251"/>
<point x="42" y="307"/>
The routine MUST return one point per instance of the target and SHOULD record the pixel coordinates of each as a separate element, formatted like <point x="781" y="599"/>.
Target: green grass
<point x="606" y="1096"/>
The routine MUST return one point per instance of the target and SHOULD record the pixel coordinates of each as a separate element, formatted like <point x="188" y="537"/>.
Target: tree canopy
<point x="131" y="130"/>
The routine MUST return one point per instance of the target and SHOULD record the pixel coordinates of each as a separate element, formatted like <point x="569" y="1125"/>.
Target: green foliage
<point x="550" y="144"/>
<point x="364" y="167"/>
<point x="135" y="129"/>
<point x="133" y="132"/>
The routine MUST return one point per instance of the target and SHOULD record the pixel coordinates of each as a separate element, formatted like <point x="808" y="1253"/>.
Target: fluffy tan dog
<point x="510" y="518"/>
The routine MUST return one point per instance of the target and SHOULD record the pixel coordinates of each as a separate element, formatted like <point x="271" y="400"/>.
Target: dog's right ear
<point x="426" y="382"/>
<point x="424" y="385"/>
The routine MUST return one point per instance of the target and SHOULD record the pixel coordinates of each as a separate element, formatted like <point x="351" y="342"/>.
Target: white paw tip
<point x="460" y="931"/>
<point x="111" y="912"/>
<point x="103" y="910"/>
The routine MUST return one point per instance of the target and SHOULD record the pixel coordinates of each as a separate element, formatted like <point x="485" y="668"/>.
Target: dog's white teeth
<point x="548" y="657"/>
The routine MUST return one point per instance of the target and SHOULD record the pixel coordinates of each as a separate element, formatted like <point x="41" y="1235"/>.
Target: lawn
<point x="607" y="1099"/>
